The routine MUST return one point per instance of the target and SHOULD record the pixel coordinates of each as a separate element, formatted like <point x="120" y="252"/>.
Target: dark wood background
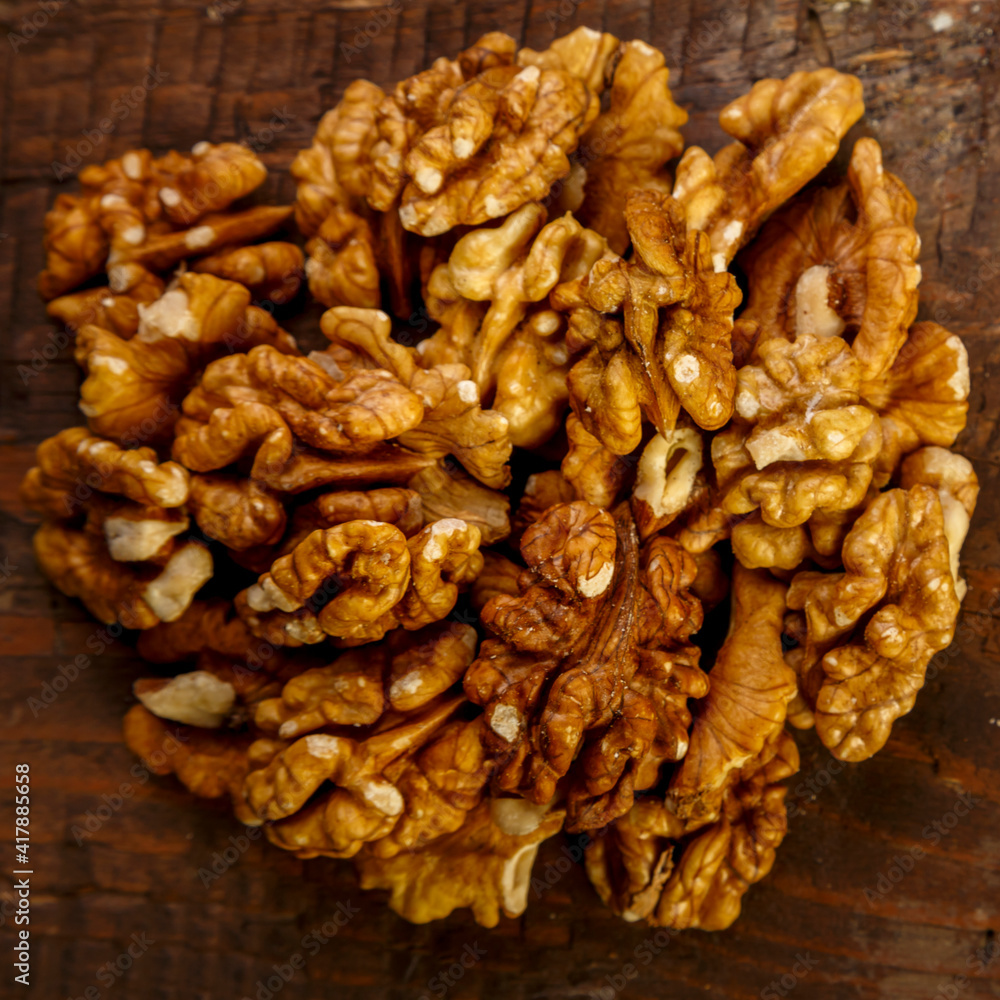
<point x="931" y="87"/>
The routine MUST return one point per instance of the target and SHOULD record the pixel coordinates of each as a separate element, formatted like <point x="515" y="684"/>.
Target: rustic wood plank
<point x="931" y="84"/>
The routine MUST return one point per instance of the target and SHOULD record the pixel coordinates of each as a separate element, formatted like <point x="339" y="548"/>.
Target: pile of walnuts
<point x="425" y="602"/>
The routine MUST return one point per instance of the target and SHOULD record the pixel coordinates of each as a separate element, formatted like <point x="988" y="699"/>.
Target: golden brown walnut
<point x="79" y="564"/>
<point x="341" y="581"/>
<point x="272" y="271"/>
<point x="74" y="463"/>
<point x="717" y="867"/>
<point x="843" y="262"/>
<point x="358" y="580"/>
<point x="629" y="863"/>
<point x="499" y="576"/>
<point x="404" y="672"/>
<point x="440" y="786"/>
<point x="629" y="143"/>
<point x="511" y="266"/>
<point x="205" y="625"/>
<point x="211" y="179"/>
<point x="499" y="142"/>
<point x="207" y="763"/>
<point x="364" y="804"/>
<point x="580" y="651"/>
<point x="483" y="865"/>
<point x="446" y="492"/>
<point x="251" y="402"/>
<point x="114" y="308"/>
<point x="335" y="169"/>
<point x="75" y="245"/>
<point x="958" y="488"/>
<point x="786" y="131"/>
<point x="237" y="512"/>
<point x="162" y="251"/>
<point x="531" y="371"/>
<point x="804" y="440"/>
<point x="678" y="320"/>
<point x="872" y="629"/>
<point x="745" y="707"/>
<point x="596" y="474"/>
<point x="343" y="267"/>
<point x="924" y="397"/>
<point x="666" y="475"/>
<point x="584" y="53"/>
<point x="454" y="421"/>
<point x="133" y="387"/>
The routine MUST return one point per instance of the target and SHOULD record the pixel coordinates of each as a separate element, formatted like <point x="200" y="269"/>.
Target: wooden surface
<point x="931" y="89"/>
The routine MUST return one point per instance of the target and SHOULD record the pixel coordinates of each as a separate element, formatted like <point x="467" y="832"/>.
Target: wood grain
<point x="931" y="88"/>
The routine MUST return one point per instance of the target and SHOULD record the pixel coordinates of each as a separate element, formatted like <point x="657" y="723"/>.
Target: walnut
<point x="804" y="440"/>
<point x="114" y="308"/>
<point x="745" y="707"/>
<point x="271" y="271"/>
<point x="566" y="664"/>
<point x="209" y="764"/>
<point x="707" y="884"/>
<point x="843" y="262"/>
<point x="584" y="53"/>
<point x="958" y="488"/>
<point x="678" y="322"/>
<point x="133" y="387"/>
<point x="343" y="266"/>
<point x="454" y="421"/>
<point x="665" y="479"/>
<point x="627" y="145"/>
<point x="79" y="564"/>
<point x="872" y="629"/>
<point x="482" y="865"/>
<point x="510" y="266"/>
<point x="596" y="474"/>
<point x="138" y="210"/>
<point x="634" y="868"/>
<point x="357" y="580"/>
<point x="542" y="491"/>
<point x="74" y="463"/>
<point x="261" y="402"/>
<point x="76" y="246"/>
<point x="531" y="371"/>
<point x="204" y="625"/>
<point x="786" y="131"/>
<point x="237" y="512"/>
<point x="198" y="698"/>
<point x="364" y="804"/>
<point x="404" y="672"/>
<point x="447" y="493"/>
<point x="923" y="398"/>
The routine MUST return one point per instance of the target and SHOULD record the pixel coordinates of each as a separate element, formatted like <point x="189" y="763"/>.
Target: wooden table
<point x="231" y="71"/>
